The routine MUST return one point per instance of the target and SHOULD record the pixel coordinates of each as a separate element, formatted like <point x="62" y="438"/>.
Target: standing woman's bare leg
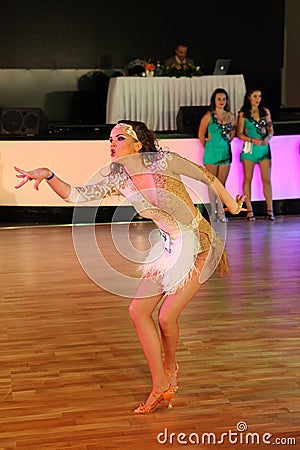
<point x="212" y="195"/>
<point x="265" y="170"/>
<point x="248" y="167"/>
<point x="223" y="172"/>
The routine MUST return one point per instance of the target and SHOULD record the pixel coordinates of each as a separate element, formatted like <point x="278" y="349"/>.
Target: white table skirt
<point x="156" y="101"/>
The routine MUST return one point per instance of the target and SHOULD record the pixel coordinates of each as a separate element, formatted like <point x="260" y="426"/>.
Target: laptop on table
<point x="222" y="66"/>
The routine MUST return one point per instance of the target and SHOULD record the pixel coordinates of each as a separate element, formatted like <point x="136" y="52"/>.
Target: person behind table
<point x="216" y="131"/>
<point x="254" y="125"/>
<point x="180" y="55"/>
<point x="178" y="264"/>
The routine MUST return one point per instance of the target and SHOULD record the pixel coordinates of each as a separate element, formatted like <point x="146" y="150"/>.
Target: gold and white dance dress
<point x="184" y="232"/>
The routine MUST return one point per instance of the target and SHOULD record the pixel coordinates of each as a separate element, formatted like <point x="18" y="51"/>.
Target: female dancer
<point x="218" y="124"/>
<point x="255" y="126"/>
<point x="180" y="262"/>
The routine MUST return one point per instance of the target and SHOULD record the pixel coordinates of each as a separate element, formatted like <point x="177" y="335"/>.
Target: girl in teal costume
<point x="216" y="131"/>
<point x="256" y="129"/>
<point x="255" y="126"/>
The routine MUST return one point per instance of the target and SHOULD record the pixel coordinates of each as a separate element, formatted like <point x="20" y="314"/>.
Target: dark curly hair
<point x="146" y="137"/>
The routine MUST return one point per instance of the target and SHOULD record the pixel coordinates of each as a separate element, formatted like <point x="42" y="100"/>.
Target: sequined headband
<point x="127" y="129"/>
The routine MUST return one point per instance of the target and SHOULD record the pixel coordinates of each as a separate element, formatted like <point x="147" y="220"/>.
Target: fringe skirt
<point x="171" y="260"/>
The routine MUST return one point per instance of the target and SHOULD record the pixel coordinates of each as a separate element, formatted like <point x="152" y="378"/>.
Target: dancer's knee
<point x="134" y="312"/>
<point x="137" y="311"/>
<point x="166" y="322"/>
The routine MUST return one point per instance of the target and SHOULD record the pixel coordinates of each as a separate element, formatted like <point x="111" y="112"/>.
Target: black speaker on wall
<point x="23" y="121"/>
<point x="188" y="119"/>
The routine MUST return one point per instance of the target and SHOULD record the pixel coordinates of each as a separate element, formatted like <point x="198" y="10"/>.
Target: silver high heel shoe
<point x="222" y="218"/>
<point x="270" y="215"/>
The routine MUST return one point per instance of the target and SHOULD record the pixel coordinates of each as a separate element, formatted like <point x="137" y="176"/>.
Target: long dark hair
<point x="212" y="105"/>
<point x="246" y="107"/>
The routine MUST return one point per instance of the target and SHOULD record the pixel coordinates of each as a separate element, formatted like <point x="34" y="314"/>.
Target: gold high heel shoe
<point x="172" y="377"/>
<point x="160" y="397"/>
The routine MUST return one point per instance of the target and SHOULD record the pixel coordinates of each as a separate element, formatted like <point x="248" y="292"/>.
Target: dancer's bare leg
<point x="170" y="310"/>
<point x="141" y="309"/>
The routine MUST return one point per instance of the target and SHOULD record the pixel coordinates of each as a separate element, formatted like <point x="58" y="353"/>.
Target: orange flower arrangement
<point x="149" y="66"/>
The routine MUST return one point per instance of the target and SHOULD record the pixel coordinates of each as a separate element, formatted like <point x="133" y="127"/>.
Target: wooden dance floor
<point x="72" y="370"/>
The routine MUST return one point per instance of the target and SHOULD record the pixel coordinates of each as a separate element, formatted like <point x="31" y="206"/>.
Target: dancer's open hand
<point x="239" y="200"/>
<point x="36" y="174"/>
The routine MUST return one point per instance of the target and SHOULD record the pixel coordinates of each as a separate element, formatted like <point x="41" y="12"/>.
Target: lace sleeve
<point x="88" y="193"/>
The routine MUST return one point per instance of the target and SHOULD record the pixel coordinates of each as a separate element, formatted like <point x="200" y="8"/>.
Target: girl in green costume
<point x="255" y="126"/>
<point x="216" y="131"/>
